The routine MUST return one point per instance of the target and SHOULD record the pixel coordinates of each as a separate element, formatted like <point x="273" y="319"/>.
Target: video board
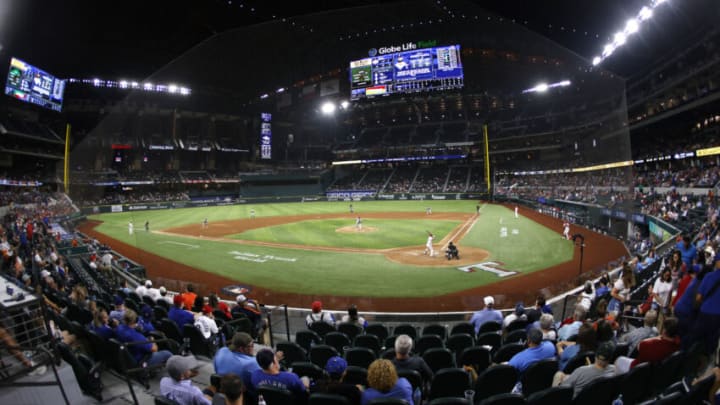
<point x="436" y="68"/>
<point x="27" y="83"/>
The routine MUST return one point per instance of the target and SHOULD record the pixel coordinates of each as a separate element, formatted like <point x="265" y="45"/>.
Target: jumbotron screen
<point x="437" y="68"/>
<point x="27" y="83"/>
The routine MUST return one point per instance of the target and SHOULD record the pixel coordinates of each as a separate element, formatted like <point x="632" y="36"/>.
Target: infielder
<point x="358" y="222"/>
<point x="429" y="245"/>
<point x="130" y="227"/>
<point x="252" y="213"/>
<point x="516" y="212"/>
<point x="205" y="223"/>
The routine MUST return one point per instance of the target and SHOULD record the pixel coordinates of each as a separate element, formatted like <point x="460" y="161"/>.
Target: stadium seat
<point x="308" y="369"/>
<point x="552" y="395"/>
<point x="307" y="338"/>
<point x="435" y="329"/>
<point x="448" y="401"/>
<point x="600" y="391"/>
<point x="492" y="339"/>
<point x="360" y="356"/>
<point x="506" y="352"/>
<point x="515" y="336"/>
<point x="368" y="341"/>
<point x="475" y="356"/>
<point x="321" y="328"/>
<point x="579" y="360"/>
<point x="321" y="398"/>
<point x="338" y="340"/>
<point x="538" y="376"/>
<point x="292" y="352"/>
<point x="405" y="329"/>
<point x="490" y="326"/>
<point x="667" y="371"/>
<point x="518" y="324"/>
<point x="497" y="379"/>
<point x="636" y="383"/>
<point x="449" y="382"/>
<point x="276" y="396"/>
<point x="438" y="358"/>
<point x="161" y="400"/>
<point x="425" y="342"/>
<point x="319" y="354"/>
<point x="356" y="375"/>
<point x="676" y="398"/>
<point x="350" y="329"/>
<point x="700" y="390"/>
<point x="171" y="330"/>
<point x="379" y="330"/>
<point x="504" y="399"/>
<point x="387" y="401"/>
<point x="414" y="377"/>
<point x="199" y="346"/>
<point x="463" y="327"/>
<point x="457" y="343"/>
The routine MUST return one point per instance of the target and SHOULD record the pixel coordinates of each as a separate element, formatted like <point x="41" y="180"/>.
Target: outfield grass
<point x="339" y="273"/>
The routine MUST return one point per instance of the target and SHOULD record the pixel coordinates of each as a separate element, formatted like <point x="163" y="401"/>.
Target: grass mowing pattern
<point x="334" y="273"/>
<point x="389" y="233"/>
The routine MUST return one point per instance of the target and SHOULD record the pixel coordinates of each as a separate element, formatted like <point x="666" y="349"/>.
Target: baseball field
<point x="291" y="253"/>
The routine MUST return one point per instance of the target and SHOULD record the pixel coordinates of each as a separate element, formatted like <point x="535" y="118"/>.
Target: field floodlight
<point x="328" y="108"/>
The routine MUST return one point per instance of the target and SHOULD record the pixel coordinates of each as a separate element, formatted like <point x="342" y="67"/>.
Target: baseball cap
<point x="44" y="274"/>
<point x="316" y="306"/>
<point x="240" y="339"/>
<point x="265" y="358"/>
<point x="240" y="298"/>
<point x="177" y="365"/>
<point x="119" y="300"/>
<point x="519" y="309"/>
<point x="335" y="366"/>
<point x="605" y="351"/>
<point x="25" y="277"/>
<point x="207" y="309"/>
<point x="489" y="300"/>
<point x="148" y="283"/>
<point x="162" y="290"/>
<point x="178" y="299"/>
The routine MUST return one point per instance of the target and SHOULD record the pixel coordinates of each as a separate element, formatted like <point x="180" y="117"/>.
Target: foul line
<point x="180" y="243"/>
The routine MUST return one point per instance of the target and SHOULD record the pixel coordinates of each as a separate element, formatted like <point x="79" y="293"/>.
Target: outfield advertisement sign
<point x="348" y="195"/>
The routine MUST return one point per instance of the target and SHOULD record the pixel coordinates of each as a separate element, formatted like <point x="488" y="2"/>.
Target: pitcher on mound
<point x="429" y="250"/>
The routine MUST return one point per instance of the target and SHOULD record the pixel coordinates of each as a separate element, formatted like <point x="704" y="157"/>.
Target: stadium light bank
<point x="543" y="87"/>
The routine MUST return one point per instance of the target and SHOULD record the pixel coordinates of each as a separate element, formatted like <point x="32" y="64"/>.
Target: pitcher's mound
<point x="353" y="229"/>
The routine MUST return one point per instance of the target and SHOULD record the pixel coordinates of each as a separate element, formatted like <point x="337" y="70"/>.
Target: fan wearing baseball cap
<point x="487" y="314"/>
<point x="333" y="384"/>
<point x="178" y="314"/>
<point x="584" y="375"/>
<point x="178" y="386"/>
<point x="318" y="315"/>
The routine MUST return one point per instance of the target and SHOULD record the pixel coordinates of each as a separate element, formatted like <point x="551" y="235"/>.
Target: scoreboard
<point x="27" y="83"/>
<point x="437" y="68"/>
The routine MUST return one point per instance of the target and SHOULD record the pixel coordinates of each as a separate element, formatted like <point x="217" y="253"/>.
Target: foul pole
<point x="486" y="153"/>
<point x="66" y="163"/>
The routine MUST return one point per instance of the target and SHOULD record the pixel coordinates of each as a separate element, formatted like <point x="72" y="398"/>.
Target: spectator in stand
<point x="353" y="317"/>
<point x="249" y="308"/>
<point x="653" y="350"/>
<point x="178" y="314"/>
<point x="189" y="297"/>
<point x="163" y="295"/>
<point x="603" y="286"/>
<point x="707" y="325"/>
<point x="127" y="332"/>
<point x="661" y="291"/>
<point x="586" y="341"/>
<point x="318" y="315"/>
<point x="101" y="324"/>
<point x="145" y="321"/>
<point x="537" y="349"/>
<point x="621" y="290"/>
<point x="237" y="358"/>
<point x="271" y="376"/>
<point x="677" y="266"/>
<point x="333" y="384"/>
<point x="571" y="329"/>
<point x="685" y="282"/>
<point x="584" y="375"/>
<point x="231" y="391"/>
<point x="142" y="289"/>
<point x="383" y="382"/>
<point x="215" y="303"/>
<point x="587" y="296"/>
<point x="205" y="322"/>
<point x="152" y="292"/>
<point x="518" y="314"/>
<point x="488" y="314"/>
<point x="546" y="326"/>
<point x="178" y="386"/>
<point x="119" y="311"/>
<point x="648" y="330"/>
<point x="405" y="361"/>
<point x="688" y="252"/>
